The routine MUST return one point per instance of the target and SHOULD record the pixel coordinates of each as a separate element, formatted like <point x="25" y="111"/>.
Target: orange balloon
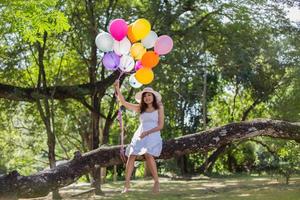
<point x="130" y="34"/>
<point x="144" y="75"/>
<point x="150" y="59"/>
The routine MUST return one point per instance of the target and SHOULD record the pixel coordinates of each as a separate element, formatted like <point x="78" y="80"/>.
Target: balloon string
<point x="122" y="73"/>
<point x="119" y="117"/>
<point x="121" y="124"/>
<point x="121" y="127"/>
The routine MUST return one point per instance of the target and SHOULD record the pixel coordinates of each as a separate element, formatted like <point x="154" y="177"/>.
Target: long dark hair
<point x="143" y="105"/>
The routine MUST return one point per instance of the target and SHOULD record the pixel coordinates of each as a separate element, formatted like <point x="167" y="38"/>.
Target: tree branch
<point x="41" y="183"/>
<point x="16" y="93"/>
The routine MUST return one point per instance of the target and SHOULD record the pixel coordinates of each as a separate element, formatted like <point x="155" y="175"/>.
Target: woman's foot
<point x="126" y="188"/>
<point x="155" y="187"/>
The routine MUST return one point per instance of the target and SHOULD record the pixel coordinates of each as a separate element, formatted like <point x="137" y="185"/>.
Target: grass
<point x="231" y="188"/>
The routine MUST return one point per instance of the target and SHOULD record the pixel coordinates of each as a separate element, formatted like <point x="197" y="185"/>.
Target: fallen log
<point x="14" y="185"/>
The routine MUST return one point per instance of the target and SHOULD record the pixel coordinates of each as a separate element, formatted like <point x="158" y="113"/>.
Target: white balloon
<point x="104" y="41"/>
<point x="122" y="47"/>
<point x="126" y="63"/>
<point x="150" y="40"/>
<point x="133" y="82"/>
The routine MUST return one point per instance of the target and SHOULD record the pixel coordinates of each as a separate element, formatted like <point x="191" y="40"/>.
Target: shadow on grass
<point x="222" y="188"/>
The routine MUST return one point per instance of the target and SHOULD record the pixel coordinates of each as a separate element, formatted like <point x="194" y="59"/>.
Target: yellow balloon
<point x="144" y="75"/>
<point x="141" y="28"/>
<point x="137" y="50"/>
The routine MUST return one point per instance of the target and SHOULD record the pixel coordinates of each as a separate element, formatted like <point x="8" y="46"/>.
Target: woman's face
<point x="148" y="98"/>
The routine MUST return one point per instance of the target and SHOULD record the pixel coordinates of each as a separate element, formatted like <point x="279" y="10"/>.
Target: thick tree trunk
<point x="95" y="96"/>
<point x="41" y="183"/>
<point x="96" y="172"/>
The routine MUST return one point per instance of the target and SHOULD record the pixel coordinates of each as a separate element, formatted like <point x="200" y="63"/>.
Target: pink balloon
<point x="118" y="29"/>
<point x="163" y="45"/>
<point x="138" y="65"/>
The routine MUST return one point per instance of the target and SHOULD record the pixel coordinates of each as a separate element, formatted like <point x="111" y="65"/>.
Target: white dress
<point x="152" y="143"/>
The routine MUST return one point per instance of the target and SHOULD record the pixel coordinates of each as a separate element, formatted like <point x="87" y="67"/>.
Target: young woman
<point x="146" y="140"/>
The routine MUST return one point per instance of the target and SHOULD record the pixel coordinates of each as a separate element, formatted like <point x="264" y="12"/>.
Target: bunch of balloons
<point x="133" y="48"/>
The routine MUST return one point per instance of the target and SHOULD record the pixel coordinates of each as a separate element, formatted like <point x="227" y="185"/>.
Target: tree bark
<point x="58" y="92"/>
<point x="41" y="183"/>
<point x="96" y="96"/>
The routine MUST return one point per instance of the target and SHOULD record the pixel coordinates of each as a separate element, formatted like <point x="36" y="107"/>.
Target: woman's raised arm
<point x="129" y="106"/>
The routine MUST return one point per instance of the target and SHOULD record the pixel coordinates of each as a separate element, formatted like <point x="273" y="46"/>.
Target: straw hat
<point x="138" y="95"/>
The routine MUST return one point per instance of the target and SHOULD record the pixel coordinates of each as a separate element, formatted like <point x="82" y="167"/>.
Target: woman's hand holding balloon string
<point x="144" y="134"/>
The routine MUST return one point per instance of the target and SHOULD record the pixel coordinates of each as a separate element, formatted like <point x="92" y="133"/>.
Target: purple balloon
<point x="111" y="61"/>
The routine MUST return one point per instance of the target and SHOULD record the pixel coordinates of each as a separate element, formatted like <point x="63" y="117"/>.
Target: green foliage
<point x="248" y="50"/>
<point x="289" y="160"/>
<point x="286" y="105"/>
<point x="20" y="142"/>
<point x="31" y="19"/>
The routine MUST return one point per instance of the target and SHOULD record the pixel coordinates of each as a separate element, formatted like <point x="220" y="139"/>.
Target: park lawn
<point x="231" y="188"/>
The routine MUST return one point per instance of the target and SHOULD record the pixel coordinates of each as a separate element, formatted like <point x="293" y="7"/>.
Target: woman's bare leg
<point x="153" y="169"/>
<point x="128" y="172"/>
